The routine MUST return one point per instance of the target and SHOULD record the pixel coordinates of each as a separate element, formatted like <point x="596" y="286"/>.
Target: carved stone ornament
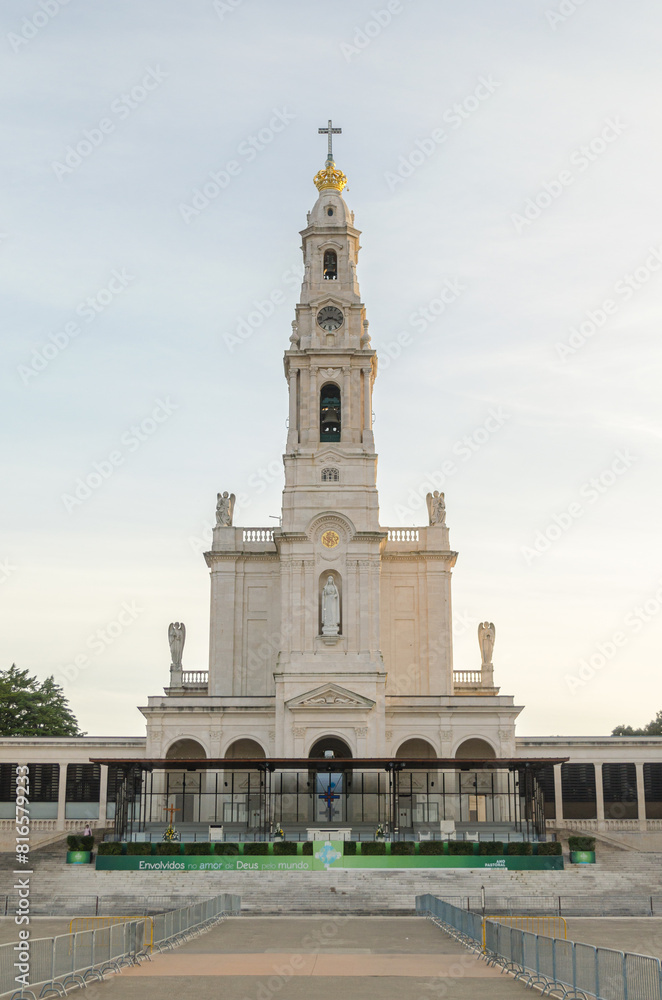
<point x="224" y="509"/>
<point x="176" y="638"/>
<point x="330" y="696"/>
<point x="436" y="508"/>
<point x="330" y="372"/>
<point x="362" y="732"/>
<point x="299" y="733"/>
<point x="486" y="636"/>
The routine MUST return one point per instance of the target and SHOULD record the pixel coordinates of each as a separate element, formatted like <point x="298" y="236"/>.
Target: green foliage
<point x="167" y="848"/>
<point x="460" y="848"/>
<point x="581" y="843"/>
<point x="285" y="847"/>
<point x="198" y="847"/>
<point x="517" y="849"/>
<point x="109" y="847"/>
<point x="86" y="843"/>
<point x="307" y="848"/>
<point x="348" y="848"/>
<point x="490" y="847"/>
<point x="29" y="707"/>
<point x="403" y="847"/>
<point x="226" y="848"/>
<point x="373" y="847"/>
<point x="139" y="849"/>
<point x="257" y="848"/>
<point x="550" y="848"/>
<point x="429" y="847"/>
<point x="73" y="842"/>
<point x="653" y="728"/>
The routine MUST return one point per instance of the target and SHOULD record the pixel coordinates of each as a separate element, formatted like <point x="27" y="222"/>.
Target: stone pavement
<point x="352" y="958"/>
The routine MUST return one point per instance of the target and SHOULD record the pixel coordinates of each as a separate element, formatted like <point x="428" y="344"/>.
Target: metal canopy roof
<point x="330" y="764"/>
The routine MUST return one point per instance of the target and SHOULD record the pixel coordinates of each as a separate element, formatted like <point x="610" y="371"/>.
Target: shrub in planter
<point x="73" y="842"/>
<point x="581" y="843"/>
<point x="198" y="848"/>
<point x="490" y="847"/>
<point x="167" y="848"/>
<point x="226" y="848"/>
<point x="109" y="847"/>
<point x="431" y="847"/>
<point x="86" y="843"/>
<point x="349" y="848"/>
<point x="460" y="848"/>
<point x="403" y="847"/>
<point x="373" y="847"/>
<point x="549" y="849"/>
<point x="285" y="847"/>
<point x="518" y="849"/>
<point x="307" y="848"/>
<point x="256" y="848"/>
<point x="138" y="849"/>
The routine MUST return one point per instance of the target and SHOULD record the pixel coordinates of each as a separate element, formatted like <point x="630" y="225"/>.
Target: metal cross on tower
<point x="330" y="131"/>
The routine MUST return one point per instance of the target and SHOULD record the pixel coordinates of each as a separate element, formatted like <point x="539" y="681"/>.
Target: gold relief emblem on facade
<point x="330" y="539"/>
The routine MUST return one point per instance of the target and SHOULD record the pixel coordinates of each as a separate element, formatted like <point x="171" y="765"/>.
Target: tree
<point x="31" y="708"/>
<point x="654" y="728"/>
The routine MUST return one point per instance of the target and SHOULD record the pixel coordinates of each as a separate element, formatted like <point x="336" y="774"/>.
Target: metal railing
<point x="550" y="963"/>
<point x="550" y="926"/>
<point x="585" y="905"/>
<point x="93" y="923"/>
<point x="67" y="961"/>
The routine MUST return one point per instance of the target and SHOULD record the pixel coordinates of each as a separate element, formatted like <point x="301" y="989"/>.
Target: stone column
<point x="103" y="794"/>
<point x="599" y="796"/>
<point x="293" y="424"/>
<point x="367" y="401"/>
<point x="62" y="797"/>
<point x="558" y="794"/>
<point x="641" y="798"/>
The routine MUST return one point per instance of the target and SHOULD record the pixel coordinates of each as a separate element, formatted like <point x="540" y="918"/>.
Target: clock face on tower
<point x="330" y="318"/>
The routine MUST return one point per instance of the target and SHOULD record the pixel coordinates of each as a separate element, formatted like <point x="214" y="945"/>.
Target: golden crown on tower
<point x="330" y="178"/>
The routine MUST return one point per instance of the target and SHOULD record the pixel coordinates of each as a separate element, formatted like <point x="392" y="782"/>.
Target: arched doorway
<point x="480" y="789"/>
<point x="244" y="793"/>
<point x="183" y="788"/>
<point x="418" y="801"/>
<point x="331" y="787"/>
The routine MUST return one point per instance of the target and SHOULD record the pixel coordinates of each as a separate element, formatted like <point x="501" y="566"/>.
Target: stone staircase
<point x="621" y="876"/>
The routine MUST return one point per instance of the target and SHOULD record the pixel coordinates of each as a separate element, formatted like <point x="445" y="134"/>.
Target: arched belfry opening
<point x="330" y="413"/>
<point x="330" y="265"/>
<point x="334" y="744"/>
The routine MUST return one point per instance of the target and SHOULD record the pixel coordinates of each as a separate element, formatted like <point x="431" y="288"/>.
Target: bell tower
<point x="330" y="539"/>
<point x="330" y="367"/>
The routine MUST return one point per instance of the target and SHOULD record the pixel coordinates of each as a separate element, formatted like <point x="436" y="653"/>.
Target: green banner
<point x="327" y="855"/>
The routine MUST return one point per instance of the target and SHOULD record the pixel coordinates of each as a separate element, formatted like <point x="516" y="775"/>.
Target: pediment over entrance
<point x="330" y="696"/>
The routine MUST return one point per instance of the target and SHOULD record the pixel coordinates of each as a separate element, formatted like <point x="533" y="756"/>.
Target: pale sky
<point x="506" y="154"/>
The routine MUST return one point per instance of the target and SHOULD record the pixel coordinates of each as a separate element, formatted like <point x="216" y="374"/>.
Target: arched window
<point x="330" y="265"/>
<point x="330" y="476"/>
<point x="330" y="413"/>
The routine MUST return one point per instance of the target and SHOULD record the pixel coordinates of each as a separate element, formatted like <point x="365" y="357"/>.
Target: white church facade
<point x="331" y="641"/>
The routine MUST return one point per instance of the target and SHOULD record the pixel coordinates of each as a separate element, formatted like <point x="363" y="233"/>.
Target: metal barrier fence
<point x="549" y="926"/>
<point x="551" y="963"/>
<point x="73" y="960"/>
<point x="87" y="923"/>
<point x="585" y="905"/>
